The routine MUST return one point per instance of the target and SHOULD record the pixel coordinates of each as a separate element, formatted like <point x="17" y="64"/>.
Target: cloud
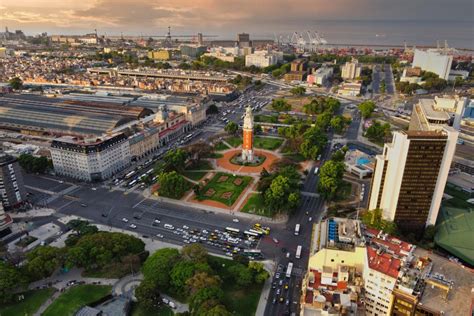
<point x="152" y="16"/>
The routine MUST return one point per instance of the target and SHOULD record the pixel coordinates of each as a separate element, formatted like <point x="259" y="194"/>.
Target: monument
<point x="247" y="145"/>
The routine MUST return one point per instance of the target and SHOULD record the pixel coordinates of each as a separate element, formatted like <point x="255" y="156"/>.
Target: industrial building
<point x="92" y="159"/>
<point x="410" y="176"/>
<point x="54" y="116"/>
<point x="12" y="188"/>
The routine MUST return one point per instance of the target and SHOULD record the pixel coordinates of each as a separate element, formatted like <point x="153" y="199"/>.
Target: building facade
<point x="351" y="70"/>
<point x="90" y="160"/>
<point x="12" y="188"/>
<point x="5" y="222"/>
<point x="434" y="60"/>
<point x="261" y="59"/>
<point x="410" y="176"/>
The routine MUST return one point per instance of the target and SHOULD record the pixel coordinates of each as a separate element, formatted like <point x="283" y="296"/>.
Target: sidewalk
<point x="264" y="296"/>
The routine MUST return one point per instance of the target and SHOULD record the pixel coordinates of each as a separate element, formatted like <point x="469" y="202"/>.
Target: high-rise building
<point x="351" y="70"/>
<point x="410" y="176"/>
<point x="12" y="189"/>
<point x="261" y="59"/>
<point x="434" y="60"/>
<point x="243" y="40"/>
<point x="96" y="159"/>
<point x="247" y="146"/>
<point x="5" y="222"/>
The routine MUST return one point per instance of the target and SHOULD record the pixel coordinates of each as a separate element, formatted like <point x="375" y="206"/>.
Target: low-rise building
<point x="160" y="54"/>
<point x="350" y="89"/>
<point x="320" y="76"/>
<point x="192" y="50"/>
<point x="94" y="159"/>
<point x="261" y="59"/>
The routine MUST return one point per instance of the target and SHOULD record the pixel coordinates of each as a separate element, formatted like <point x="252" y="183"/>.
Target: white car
<point x="185" y="227"/>
<point x="160" y="236"/>
<point x="125" y="220"/>
<point x="235" y="220"/>
<point x="133" y="226"/>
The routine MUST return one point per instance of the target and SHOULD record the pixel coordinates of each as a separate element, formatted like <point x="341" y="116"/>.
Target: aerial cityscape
<point x="217" y="158"/>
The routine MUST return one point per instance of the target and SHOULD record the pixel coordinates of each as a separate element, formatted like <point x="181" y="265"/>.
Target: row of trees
<point x="432" y="83"/>
<point x="308" y="141"/>
<point x="378" y="132"/>
<point x="366" y="108"/>
<point x="281" y="105"/>
<point x="280" y="188"/>
<point x="331" y="175"/>
<point x="33" y="164"/>
<point x="190" y="275"/>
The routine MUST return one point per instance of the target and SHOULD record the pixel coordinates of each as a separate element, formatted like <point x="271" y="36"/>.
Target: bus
<point x="297" y="229"/>
<point x="253" y="253"/>
<point x="258" y="232"/>
<point x="130" y="174"/>
<point x="250" y="234"/>
<point x="289" y="270"/>
<point x="233" y="231"/>
<point x="298" y="252"/>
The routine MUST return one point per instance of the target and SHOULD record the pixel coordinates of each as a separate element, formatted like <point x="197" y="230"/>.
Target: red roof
<point x="169" y="129"/>
<point x="384" y="263"/>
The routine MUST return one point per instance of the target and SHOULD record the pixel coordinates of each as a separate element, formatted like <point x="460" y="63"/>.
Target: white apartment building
<point x="433" y="114"/>
<point x="90" y="160"/>
<point x="351" y="70"/>
<point x="322" y="75"/>
<point x="411" y="174"/>
<point x="261" y="59"/>
<point x="434" y="60"/>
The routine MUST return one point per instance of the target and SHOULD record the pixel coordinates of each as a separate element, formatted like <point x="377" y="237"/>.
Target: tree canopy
<point x="330" y="178"/>
<point x="298" y="91"/>
<point x="373" y="219"/>
<point x="16" y="83"/>
<point x="231" y="128"/>
<point x="281" y="105"/>
<point x="366" y="108"/>
<point x="176" y="159"/>
<point x="33" y="164"/>
<point x="378" y="132"/>
<point x="172" y="185"/>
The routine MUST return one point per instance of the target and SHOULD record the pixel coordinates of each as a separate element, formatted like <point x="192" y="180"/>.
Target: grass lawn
<point x="256" y="205"/>
<point x="223" y="187"/>
<point x="25" y="241"/>
<point x="234" y="141"/>
<point x="344" y="191"/>
<point x="221" y="146"/>
<point x="70" y="301"/>
<point x="239" y="301"/>
<point x="267" y="143"/>
<point x="194" y="173"/>
<point x="266" y="118"/>
<point x="33" y="300"/>
<point x="137" y="310"/>
<point x="459" y="197"/>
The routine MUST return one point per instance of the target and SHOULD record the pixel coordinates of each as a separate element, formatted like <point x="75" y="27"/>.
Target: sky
<point x="220" y="17"/>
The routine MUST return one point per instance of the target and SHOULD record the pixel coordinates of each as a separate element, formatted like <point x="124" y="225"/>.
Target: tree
<point x="231" y="128"/>
<point x="176" y="159"/>
<point x="277" y="195"/>
<point x="16" y="83"/>
<point x="33" y="164"/>
<point x="201" y="280"/>
<point x="203" y="295"/>
<point x="257" y="129"/>
<point x="330" y="179"/>
<point x="378" y="132"/>
<point x="383" y="86"/>
<point x="198" y="151"/>
<point x="314" y="141"/>
<point x="281" y="105"/>
<point x="366" y="109"/>
<point x="172" y="185"/>
<point x="298" y="91"/>
<point x="260" y="274"/>
<point x="180" y="273"/>
<point x="212" y="109"/>
<point x="241" y="275"/>
<point x="158" y="266"/>
<point x="323" y="120"/>
<point x="43" y="261"/>
<point x="10" y="281"/>
<point x="148" y="295"/>
<point x="373" y="219"/>
<point x="194" y="253"/>
<point x="338" y="123"/>
<point x="79" y="228"/>
<point x="218" y="310"/>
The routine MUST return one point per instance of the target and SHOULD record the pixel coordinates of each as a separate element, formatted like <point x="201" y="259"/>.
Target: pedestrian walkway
<point x="46" y="304"/>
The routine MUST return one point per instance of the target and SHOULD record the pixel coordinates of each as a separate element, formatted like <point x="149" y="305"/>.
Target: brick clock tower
<point x="247" y="146"/>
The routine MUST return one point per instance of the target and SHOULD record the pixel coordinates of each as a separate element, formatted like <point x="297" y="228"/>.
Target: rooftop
<point x="427" y="106"/>
<point x="339" y="233"/>
<point x="383" y="262"/>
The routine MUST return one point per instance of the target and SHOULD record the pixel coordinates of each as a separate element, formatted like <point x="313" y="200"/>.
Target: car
<point x="235" y="220"/>
<point x="274" y="300"/>
<point x="185" y="227"/>
<point x="310" y="219"/>
<point x="133" y="226"/>
<point x="156" y="222"/>
<point x="287" y="302"/>
<point x="274" y="285"/>
<point x="104" y="214"/>
<point x="94" y="189"/>
<point x="278" y="291"/>
<point x="160" y="236"/>
<point x="276" y="241"/>
<point x="280" y="283"/>
<point x="125" y="220"/>
<point x="286" y="286"/>
<point x="277" y="275"/>
<point x="83" y="205"/>
<point x="281" y="300"/>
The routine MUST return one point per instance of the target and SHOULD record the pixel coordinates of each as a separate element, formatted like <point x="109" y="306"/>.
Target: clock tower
<point x="247" y="146"/>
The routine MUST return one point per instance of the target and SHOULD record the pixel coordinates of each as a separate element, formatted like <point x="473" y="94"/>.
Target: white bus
<point x="298" y="252"/>
<point x="251" y="234"/>
<point x="289" y="269"/>
<point x="297" y="229"/>
<point x="231" y="230"/>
